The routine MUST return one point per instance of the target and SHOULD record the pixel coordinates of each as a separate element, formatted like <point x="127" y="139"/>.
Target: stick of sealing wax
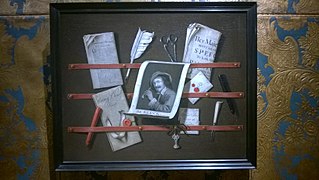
<point x="96" y="116"/>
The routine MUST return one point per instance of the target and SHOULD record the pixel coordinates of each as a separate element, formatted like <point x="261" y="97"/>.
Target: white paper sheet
<point x="101" y="49"/>
<point x="190" y="117"/>
<point x="167" y="108"/>
<point x="200" y="47"/>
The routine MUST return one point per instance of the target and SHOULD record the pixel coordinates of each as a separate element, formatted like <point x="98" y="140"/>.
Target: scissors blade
<point x="169" y="54"/>
<point x="172" y="40"/>
<point x="174" y="53"/>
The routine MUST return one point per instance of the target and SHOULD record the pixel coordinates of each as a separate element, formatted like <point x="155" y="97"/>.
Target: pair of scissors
<point x="170" y="41"/>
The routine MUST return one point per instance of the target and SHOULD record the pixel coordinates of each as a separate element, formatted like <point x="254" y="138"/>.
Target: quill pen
<point x="142" y="40"/>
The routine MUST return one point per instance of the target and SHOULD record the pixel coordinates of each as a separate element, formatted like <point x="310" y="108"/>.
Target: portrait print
<point x="158" y="89"/>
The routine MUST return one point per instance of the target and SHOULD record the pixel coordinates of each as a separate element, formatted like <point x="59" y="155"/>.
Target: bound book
<point x="101" y="49"/>
<point x="200" y="47"/>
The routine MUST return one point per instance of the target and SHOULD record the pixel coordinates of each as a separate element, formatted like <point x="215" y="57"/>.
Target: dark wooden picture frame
<point x="230" y="150"/>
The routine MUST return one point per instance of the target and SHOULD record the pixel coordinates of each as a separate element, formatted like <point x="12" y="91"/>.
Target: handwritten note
<point x="189" y="116"/>
<point x="114" y="104"/>
<point x="101" y="49"/>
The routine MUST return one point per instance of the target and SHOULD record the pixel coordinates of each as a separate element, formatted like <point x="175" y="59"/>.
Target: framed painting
<point x="215" y="98"/>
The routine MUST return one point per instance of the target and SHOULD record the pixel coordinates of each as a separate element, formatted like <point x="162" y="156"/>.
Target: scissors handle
<point x="164" y="40"/>
<point x="172" y="39"/>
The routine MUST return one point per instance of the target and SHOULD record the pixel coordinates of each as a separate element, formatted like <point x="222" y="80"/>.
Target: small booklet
<point x="101" y="49"/>
<point x="158" y="89"/>
<point x="200" y="47"/>
<point x="114" y="105"/>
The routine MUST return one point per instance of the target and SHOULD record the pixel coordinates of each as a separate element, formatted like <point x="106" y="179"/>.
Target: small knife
<point x="225" y="86"/>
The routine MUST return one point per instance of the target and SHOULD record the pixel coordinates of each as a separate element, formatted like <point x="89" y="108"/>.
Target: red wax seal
<point x="193" y="85"/>
<point x="196" y="89"/>
<point x="127" y="122"/>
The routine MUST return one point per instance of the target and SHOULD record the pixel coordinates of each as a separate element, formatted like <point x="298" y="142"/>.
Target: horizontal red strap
<point x="214" y="95"/>
<point x="185" y="95"/>
<point x="137" y="65"/>
<point x="152" y="128"/>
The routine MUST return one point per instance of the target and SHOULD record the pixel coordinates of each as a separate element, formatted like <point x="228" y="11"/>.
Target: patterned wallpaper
<point x="288" y="95"/>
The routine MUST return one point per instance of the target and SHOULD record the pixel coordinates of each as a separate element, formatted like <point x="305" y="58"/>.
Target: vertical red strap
<point x="93" y="124"/>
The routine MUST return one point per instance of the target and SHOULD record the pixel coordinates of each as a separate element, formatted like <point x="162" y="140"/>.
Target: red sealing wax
<point x="127" y="122"/>
<point x="193" y="85"/>
<point x="196" y="89"/>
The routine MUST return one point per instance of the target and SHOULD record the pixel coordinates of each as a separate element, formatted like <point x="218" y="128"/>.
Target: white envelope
<point x="198" y="84"/>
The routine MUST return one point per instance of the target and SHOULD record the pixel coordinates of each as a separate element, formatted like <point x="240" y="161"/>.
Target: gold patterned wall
<point x="288" y="95"/>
